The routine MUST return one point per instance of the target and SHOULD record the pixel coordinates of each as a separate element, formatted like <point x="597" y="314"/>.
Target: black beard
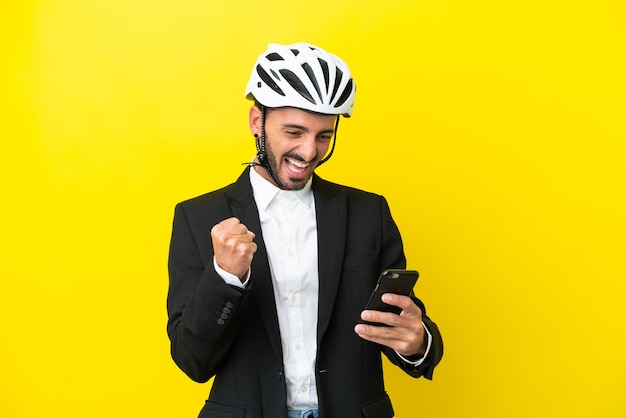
<point x="285" y="184"/>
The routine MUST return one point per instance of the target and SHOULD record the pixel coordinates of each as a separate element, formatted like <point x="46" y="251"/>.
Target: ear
<point x="254" y="119"/>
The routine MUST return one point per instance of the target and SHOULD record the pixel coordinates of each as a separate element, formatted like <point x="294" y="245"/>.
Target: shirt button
<point x="298" y="346"/>
<point x="294" y="298"/>
<point x="304" y="388"/>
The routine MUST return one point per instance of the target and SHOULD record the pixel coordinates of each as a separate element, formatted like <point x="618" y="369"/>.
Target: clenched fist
<point x="233" y="246"/>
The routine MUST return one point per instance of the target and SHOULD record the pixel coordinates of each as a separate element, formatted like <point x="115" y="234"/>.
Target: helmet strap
<point x="332" y="149"/>
<point x="261" y="153"/>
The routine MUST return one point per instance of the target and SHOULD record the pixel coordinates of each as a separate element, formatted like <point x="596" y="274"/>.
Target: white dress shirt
<point x="290" y="235"/>
<point x="289" y="230"/>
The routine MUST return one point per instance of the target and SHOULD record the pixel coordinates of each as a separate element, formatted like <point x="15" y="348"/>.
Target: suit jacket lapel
<point x="241" y="204"/>
<point x="330" y="208"/>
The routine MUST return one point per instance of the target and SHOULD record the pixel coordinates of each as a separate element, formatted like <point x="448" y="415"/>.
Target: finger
<point x="410" y="322"/>
<point x="238" y="229"/>
<point x="379" y="317"/>
<point x="238" y="235"/>
<point x="230" y="227"/>
<point x="409" y="308"/>
<point x="227" y="223"/>
<point x="248" y="236"/>
<point x="387" y="336"/>
<point x="404" y="341"/>
<point x="218" y="229"/>
<point x="240" y="245"/>
<point x="401" y="301"/>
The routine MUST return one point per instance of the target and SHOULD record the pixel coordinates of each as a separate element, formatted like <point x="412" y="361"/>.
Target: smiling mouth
<point x="296" y="166"/>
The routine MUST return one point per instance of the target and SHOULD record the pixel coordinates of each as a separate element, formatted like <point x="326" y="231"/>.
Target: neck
<point x="261" y="171"/>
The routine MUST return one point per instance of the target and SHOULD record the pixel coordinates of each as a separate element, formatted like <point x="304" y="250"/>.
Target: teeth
<point x="297" y="163"/>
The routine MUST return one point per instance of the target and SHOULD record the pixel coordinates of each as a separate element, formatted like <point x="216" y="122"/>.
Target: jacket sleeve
<point x="434" y="355"/>
<point x="202" y="308"/>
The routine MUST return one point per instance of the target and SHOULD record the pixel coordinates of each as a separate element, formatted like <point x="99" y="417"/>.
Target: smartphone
<point x="396" y="281"/>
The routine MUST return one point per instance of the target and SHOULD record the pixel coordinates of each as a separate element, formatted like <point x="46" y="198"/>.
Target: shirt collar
<point x="264" y="191"/>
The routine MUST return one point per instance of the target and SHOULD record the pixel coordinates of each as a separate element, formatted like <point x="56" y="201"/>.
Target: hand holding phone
<point x="397" y="281"/>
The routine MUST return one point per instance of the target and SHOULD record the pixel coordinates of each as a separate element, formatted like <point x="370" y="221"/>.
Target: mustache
<point x="298" y="157"/>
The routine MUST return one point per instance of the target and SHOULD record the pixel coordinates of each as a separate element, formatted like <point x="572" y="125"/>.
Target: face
<point x="295" y="142"/>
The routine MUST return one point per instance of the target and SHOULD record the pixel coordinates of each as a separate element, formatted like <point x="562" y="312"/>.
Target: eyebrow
<point x="305" y="129"/>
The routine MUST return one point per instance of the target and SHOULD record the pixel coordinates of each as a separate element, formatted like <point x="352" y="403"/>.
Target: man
<point x="269" y="276"/>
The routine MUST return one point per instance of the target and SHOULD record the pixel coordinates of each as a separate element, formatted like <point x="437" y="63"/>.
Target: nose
<point x="308" y="148"/>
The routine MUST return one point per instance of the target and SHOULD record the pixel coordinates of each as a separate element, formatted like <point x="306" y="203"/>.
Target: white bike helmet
<point x="302" y="76"/>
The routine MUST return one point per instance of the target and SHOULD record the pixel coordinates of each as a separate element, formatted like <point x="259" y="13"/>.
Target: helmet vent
<point x="268" y="80"/>
<point x="297" y="85"/>
<point x="309" y="71"/>
<point x="324" y="66"/>
<point x="274" y="57"/>
<point x="345" y="95"/>
<point x="338" y="78"/>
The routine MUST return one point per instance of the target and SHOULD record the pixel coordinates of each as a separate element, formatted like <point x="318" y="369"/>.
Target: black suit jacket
<point x="231" y="333"/>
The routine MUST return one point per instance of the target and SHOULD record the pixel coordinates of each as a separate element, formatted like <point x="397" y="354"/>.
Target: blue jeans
<point x="311" y="413"/>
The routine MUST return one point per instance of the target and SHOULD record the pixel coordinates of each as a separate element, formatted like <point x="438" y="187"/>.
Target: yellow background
<point x="494" y="128"/>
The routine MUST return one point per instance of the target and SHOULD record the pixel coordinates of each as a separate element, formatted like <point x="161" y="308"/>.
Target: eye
<point x="292" y="133"/>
